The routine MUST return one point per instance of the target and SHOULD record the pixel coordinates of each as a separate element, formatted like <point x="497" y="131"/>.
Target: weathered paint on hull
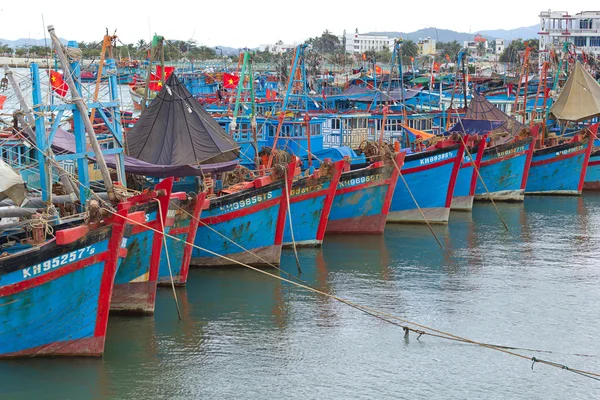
<point x="437" y="215"/>
<point x="503" y="195"/>
<point x="504" y="170"/>
<point x="431" y="177"/>
<point x="592" y="176"/>
<point x="61" y="307"/>
<point x="259" y="257"/>
<point x="245" y="226"/>
<point x="134" y="297"/>
<point x="362" y="199"/>
<point x="559" y="170"/>
<point x="462" y="203"/>
<point x="311" y="200"/>
<point x="137" y="275"/>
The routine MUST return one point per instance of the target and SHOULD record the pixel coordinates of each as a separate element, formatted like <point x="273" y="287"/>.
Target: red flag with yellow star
<point x="168" y="71"/>
<point x="58" y="84"/>
<point x="230" y="81"/>
<point x="155" y="83"/>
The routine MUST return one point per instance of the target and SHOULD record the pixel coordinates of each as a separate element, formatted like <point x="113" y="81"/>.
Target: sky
<point x="235" y="23"/>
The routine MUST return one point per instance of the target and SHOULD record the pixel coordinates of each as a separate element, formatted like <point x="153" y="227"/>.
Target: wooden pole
<point x="307" y="125"/>
<point x="99" y="74"/>
<point x="83" y="110"/>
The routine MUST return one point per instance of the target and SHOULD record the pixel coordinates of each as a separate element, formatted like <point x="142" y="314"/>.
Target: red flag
<point x="58" y="84"/>
<point x="378" y="69"/>
<point x="168" y="72"/>
<point x="155" y="83"/>
<point x="364" y="56"/>
<point x="436" y="66"/>
<point x="412" y="59"/>
<point x="547" y="94"/>
<point x="323" y="93"/>
<point x="230" y="81"/>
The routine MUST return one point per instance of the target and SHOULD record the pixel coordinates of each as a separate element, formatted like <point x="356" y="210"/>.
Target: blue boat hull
<point x="504" y="169"/>
<point x="559" y="169"/>
<point x="243" y="227"/>
<point x="311" y="199"/>
<point x="362" y="199"/>
<point x="176" y="254"/>
<point x="55" y="301"/>
<point x="430" y="176"/>
<point x="137" y="275"/>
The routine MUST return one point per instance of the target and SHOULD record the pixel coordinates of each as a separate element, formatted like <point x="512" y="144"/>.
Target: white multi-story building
<point x="277" y="48"/>
<point x="426" y="46"/>
<point x="499" y="46"/>
<point x="581" y="29"/>
<point x="357" y="43"/>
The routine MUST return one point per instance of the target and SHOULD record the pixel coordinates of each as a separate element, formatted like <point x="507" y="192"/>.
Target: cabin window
<point x="315" y="129"/>
<point x="595" y="41"/>
<point x="579" y="41"/>
<point x="585" y="24"/>
<point x="271" y="130"/>
<point x="335" y="124"/>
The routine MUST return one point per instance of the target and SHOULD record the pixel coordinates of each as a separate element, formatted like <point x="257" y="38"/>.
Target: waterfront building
<point x="426" y="46"/>
<point x="359" y="43"/>
<point x="581" y="29"/>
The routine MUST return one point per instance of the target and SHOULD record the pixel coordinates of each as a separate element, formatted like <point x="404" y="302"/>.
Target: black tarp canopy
<point x="482" y="109"/>
<point x="64" y="143"/>
<point x="176" y="130"/>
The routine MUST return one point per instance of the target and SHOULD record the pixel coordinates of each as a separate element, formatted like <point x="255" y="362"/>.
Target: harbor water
<point x="245" y="335"/>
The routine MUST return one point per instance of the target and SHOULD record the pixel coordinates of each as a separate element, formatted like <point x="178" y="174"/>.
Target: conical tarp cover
<point x="176" y="130"/>
<point x="580" y="97"/>
<point x="482" y="109"/>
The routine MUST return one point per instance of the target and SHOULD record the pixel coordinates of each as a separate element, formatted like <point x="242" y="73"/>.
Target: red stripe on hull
<point x="243" y="212"/>
<point x="92" y="347"/>
<point x="108" y="278"/>
<point x="476" y="170"/>
<point x="558" y="158"/>
<point x="333" y="184"/>
<point x="428" y="166"/>
<point x="454" y="175"/>
<point x="593" y="163"/>
<point x="193" y="228"/>
<point x="52" y="275"/>
<point x="588" y="153"/>
<point x="134" y="297"/>
<point x="371" y="225"/>
<point x="501" y="159"/>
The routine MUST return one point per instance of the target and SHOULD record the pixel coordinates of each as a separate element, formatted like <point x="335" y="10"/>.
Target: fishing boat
<point x="245" y="224"/>
<point x="561" y="168"/>
<point x="177" y="250"/>
<point x="56" y="292"/>
<point x="430" y="177"/>
<point x="363" y="197"/>
<point x="506" y="159"/>
<point x="137" y="275"/>
<point x="574" y="165"/>
<point x="311" y="200"/>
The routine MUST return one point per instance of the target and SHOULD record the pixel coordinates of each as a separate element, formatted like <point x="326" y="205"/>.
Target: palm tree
<point x="141" y="44"/>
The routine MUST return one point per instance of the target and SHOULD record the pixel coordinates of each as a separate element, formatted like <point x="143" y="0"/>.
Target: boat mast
<point x="83" y="111"/>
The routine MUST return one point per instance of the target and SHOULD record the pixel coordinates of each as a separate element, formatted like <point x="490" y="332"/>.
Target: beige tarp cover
<point x="11" y="185"/>
<point x="580" y="97"/>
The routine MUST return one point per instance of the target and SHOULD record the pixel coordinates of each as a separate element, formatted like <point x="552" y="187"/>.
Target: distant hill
<point x="29" y="42"/>
<point x="528" y="32"/>
<point x="446" y="35"/>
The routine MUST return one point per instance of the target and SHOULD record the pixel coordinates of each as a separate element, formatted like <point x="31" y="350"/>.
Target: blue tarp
<point x="476" y="126"/>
